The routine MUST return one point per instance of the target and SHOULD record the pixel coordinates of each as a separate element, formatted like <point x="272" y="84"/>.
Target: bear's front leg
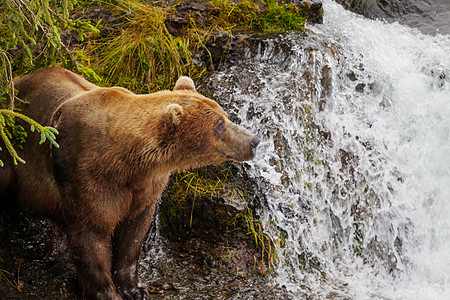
<point x="127" y="243"/>
<point x="91" y="250"/>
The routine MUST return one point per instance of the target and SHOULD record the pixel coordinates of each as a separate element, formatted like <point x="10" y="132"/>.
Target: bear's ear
<point x="173" y="113"/>
<point x="184" y="83"/>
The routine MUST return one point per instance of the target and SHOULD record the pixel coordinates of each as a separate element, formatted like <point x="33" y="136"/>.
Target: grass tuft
<point x="144" y="56"/>
<point x="13" y="283"/>
<point x="263" y="241"/>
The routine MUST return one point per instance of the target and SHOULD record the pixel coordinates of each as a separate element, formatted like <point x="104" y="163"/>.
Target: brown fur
<point x="117" y="150"/>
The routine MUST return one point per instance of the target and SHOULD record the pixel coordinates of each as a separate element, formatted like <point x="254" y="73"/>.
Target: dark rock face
<point x="202" y="13"/>
<point x="193" y="270"/>
<point x="213" y="219"/>
<point x="313" y="11"/>
<point x="35" y="252"/>
<point x="429" y="16"/>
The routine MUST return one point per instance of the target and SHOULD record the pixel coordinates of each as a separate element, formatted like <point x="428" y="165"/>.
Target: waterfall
<point x="354" y="162"/>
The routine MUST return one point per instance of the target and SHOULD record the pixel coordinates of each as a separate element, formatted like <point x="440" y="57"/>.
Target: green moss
<point x="237" y="15"/>
<point x="282" y="17"/>
<point x="268" y="15"/>
<point x="188" y="187"/>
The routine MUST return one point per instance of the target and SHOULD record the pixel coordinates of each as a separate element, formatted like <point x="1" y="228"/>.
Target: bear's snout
<point x="239" y="144"/>
<point x="254" y="143"/>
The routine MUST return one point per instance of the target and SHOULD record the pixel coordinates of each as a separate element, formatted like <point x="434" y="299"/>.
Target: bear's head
<point x="197" y="131"/>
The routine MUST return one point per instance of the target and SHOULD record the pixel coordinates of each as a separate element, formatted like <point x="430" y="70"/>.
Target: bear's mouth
<point x="243" y="157"/>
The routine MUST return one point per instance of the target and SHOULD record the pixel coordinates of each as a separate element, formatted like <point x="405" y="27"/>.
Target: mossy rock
<point x="197" y="204"/>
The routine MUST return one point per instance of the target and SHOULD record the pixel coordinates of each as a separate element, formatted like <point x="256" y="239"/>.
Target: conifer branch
<point x="6" y="140"/>
<point x="31" y="39"/>
<point x="47" y="132"/>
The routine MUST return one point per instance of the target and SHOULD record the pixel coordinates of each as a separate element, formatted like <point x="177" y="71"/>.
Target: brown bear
<point x="117" y="150"/>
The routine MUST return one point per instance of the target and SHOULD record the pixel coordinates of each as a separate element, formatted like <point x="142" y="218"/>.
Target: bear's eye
<point x="220" y="127"/>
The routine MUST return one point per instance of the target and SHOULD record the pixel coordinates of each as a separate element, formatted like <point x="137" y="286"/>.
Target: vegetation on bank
<point x="142" y="55"/>
<point x="268" y="15"/>
<point x="186" y="210"/>
<point x="137" y="51"/>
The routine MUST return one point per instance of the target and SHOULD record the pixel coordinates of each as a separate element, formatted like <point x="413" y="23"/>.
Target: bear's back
<point x="47" y="88"/>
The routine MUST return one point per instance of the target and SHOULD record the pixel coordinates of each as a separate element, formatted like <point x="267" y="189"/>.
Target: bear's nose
<point x="254" y="143"/>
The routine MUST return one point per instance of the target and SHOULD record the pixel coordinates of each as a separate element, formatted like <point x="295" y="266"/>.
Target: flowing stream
<point x="355" y="160"/>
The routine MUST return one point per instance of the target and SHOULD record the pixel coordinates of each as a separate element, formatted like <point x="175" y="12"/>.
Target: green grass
<point x="282" y="17"/>
<point x="144" y="56"/>
<point x="255" y="231"/>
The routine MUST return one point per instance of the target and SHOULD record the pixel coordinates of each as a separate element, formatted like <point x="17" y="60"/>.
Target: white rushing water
<point x="355" y="157"/>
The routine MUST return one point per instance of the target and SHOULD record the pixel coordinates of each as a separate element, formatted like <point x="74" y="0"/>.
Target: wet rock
<point x="429" y="16"/>
<point x="185" y="269"/>
<point x="190" y="278"/>
<point x="35" y="252"/>
<point x="313" y="10"/>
